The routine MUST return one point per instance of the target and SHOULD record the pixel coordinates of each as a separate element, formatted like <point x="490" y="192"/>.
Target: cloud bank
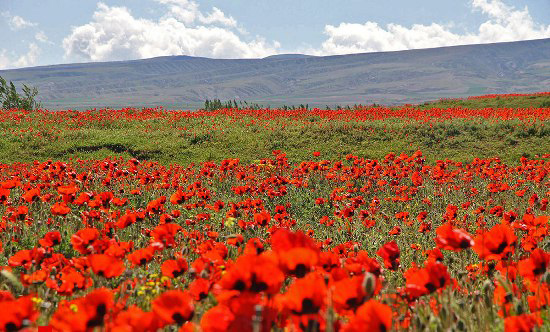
<point x="27" y="59"/>
<point x="17" y="22"/>
<point x="115" y="34"/>
<point x="30" y="58"/>
<point x="504" y="23"/>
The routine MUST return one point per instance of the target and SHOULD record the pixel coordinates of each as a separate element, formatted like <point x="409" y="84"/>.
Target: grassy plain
<point x="177" y="137"/>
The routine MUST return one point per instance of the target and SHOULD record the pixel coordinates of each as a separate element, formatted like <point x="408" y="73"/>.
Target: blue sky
<point x="43" y="32"/>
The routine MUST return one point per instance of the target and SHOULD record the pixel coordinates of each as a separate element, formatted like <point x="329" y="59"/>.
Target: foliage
<point x="183" y="137"/>
<point x="353" y="228"/>
<point x="535" y="100"/>
<point x="217" y="104"/>
<point x="11" y="99"/>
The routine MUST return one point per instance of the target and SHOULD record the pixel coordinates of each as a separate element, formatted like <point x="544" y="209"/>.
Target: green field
<point x="172" y="138"/>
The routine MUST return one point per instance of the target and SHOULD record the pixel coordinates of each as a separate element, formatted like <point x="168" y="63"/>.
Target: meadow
<point x="420" y="217"/>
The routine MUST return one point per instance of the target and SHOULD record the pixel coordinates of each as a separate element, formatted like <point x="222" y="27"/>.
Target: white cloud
<point x="17" y="22"/>
<point x="217" y="16"/>
<point x="183" y="10"/>
<point x="42" y="37"/>
<point x="30" y="58"/>
<point x="504" y="23"/>
<point x="4" y="59"/>
<point x="26" y="60"/>
<point x="115" y="34"/>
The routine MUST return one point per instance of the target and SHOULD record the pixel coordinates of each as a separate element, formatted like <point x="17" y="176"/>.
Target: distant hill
<point x="288" y="56"/>
<point x="410" y="76"/>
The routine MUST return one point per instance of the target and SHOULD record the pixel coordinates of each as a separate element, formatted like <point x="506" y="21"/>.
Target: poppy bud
<point x="192" y="273"/>
<point x="369" y="284"/>
<point x="204" y="274"/>
<point x="326" y="279"/>
<point x="128" y="274"/>
<point x="417" y="322"/>
<point x="443" y="313"/>
<point x="487" y="292"/>
<point x="257" y="319"/>
<point x="460" y="325"/>
<point x="435" y="322"/>
<point x="519" y="308"/>
<point x="313" y="326"/>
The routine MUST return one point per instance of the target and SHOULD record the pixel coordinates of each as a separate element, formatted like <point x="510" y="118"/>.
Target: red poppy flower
<point x="17" y="313"/>
<point x="141" y="256"/>
<point x="34" y="278"/>
<point x="217" y="319"/>
<point x="416" y="179"/>
<point x="174" y="306"/>
<point x="390" y="254"/>
<point x="255" y="273"/>
<point x="306" y="295"/>
<point x="395" y="231"/>
<point x="422" y="281"/>
<point x="254" y="246"/>
<point x="329" y="260"/>
<point x="522" y="323"/>
<point x="541" y="297"/>
<point x="85" y="313"/>
<point x="534" y="266"/>
<point x="126" y="220"/>
<point x="31" y="195"/>
<point x="4" y="195"/>
<point x="450" y="238"/>
<point x="235" y="240"/>
<point x="106" y="266"/>
<point x="178" y="197"/>
<point x="262" y="218"/>
<point x="174" y="268"/>
<point x="200" y="288"/>
<point x="165" y="233"/>
<point x="50" y="239"/>
<point x="363" y="263"/>
<point x="434" y="255"/>
<point x="297" y="252"/>
<point x="136" y="320"/>
<point x="83" y="239"/>
<point x="371" y="316"/>
<point x="350" y="293"/>
<point x="119" y="249"/>
<point x="497" y="243"/>
<point x="60" y="209"/>
<point x="68" y="280"/>
<point x="235" y="313"/>
<point x="27" y="258"/>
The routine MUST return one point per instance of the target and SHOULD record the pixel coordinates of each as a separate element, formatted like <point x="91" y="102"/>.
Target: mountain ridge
<point x="382" y="77"/>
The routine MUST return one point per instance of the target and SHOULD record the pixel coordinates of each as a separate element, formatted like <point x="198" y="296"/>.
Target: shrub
<point x="10" y="98"/>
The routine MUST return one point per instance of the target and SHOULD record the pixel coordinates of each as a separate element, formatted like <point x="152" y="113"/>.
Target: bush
<point x="9" y="98"/>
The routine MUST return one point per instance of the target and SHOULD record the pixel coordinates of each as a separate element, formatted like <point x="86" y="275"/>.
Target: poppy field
<point x="367" y="219"/>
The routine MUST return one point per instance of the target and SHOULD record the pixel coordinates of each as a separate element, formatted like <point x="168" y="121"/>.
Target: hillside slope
<point x="385" y="77"/>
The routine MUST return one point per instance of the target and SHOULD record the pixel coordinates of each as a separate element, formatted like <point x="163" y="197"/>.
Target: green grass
<point x="457" y="139"/>
<point x="535" y="101"/>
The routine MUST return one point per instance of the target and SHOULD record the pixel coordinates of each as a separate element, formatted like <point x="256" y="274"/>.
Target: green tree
<point x="10" y="98"/>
